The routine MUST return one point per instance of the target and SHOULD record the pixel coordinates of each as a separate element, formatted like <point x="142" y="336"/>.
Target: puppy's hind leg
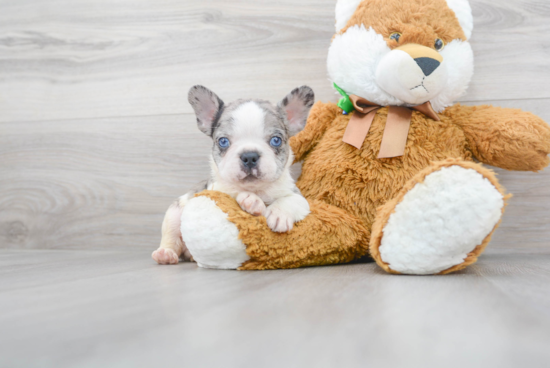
<point x="171" y="244"/>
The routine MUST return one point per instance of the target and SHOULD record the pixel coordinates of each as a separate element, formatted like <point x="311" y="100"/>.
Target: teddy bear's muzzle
<point x="413" y="73"/>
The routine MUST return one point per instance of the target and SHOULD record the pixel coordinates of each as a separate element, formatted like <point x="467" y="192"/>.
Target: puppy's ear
<point x="296" y="105"/>
<point x="208" y="108"/>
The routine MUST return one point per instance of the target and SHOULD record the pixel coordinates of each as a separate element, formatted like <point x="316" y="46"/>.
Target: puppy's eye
<point x="223" y="142"/>
<point x="395" y="36"/>
<point x="276" y="142"/>
<point x="439" y="44"/>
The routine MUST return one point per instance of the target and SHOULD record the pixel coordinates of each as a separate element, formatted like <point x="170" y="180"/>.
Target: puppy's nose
<point x="250" y="159"/>
<point x="428" y="65"/>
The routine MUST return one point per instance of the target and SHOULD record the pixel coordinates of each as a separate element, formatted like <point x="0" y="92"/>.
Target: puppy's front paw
<point x="278" y="220"/>
<point x="251" y="203"/>
<point x="165" y="256"/>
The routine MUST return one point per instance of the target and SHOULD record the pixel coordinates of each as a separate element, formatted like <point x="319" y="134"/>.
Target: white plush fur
<point x="440" y="221"/>
<point x="352" y="61"/>
<point x="360" y="56"/>
<point x="463" y="12"/>
<point x="344" y="11"/>
<point x="399" y="75"/>
<point x="211" y="238"/>
<point x="458" y="59"/>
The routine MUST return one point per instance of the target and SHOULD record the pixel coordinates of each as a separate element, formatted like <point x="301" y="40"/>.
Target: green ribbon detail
<point x="345" y="102"/>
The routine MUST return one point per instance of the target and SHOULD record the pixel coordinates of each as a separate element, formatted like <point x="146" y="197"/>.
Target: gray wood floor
<point x="97" y="139"/>
<point x="69" y="308"/>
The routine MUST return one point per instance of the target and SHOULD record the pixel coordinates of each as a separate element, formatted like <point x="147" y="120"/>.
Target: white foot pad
<point x="440" y="221"/>
<point x="212" y="240"/>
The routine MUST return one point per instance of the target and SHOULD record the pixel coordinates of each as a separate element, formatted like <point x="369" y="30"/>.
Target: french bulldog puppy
<point x="251" y="159"/>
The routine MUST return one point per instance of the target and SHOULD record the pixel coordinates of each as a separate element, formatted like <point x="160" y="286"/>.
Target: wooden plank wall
<point x="96" y="136"/>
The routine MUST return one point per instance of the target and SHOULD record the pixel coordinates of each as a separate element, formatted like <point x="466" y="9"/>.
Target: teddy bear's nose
<point x="428" y="65"/>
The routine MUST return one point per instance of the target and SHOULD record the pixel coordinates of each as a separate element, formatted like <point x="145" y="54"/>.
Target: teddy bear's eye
<point x="395" y="36"/>
<point x="439" y="44"/>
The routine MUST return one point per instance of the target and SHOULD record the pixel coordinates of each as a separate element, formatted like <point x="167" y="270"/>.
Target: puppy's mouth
<point x="250" y="178"/>
<point x="249" y="175"/>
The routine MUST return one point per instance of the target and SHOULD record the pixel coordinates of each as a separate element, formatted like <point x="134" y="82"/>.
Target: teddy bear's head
<point x="403" y="52"/>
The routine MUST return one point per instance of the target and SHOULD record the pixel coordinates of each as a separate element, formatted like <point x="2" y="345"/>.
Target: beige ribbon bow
<point x="397" y="125"/>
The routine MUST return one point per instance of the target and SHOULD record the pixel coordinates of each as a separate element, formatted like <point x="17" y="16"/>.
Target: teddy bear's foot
<point x="219" y="234"/>
<point x="210" y="237"/>
<point x="440" y="222"/>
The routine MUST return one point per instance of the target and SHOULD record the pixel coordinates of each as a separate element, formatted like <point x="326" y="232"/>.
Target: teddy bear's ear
<point x="463" y="12"/>
<point x="344" y="11"/>
<point x="296" y="106"/>
<point x="208" y="107"/>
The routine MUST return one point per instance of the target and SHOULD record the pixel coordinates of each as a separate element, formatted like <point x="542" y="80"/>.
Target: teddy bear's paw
<point x="440" y="221"/>
<point x="279" y="220"/>
<point x="165" y="256"/>
<point x="251" y="203"/>
<point x="211" y="239"/>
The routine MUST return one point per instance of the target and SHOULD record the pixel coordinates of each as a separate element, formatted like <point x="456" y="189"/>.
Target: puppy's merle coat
<point x="250" y="161"/>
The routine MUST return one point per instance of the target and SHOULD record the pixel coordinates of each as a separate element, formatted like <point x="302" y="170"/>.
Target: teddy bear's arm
<point x="508" y="138"/>
<point x="320" y="118"/>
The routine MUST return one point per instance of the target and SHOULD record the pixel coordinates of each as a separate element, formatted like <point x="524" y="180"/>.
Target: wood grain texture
<point x="118" y="309"/>
<point x="68" y="59"/>
<point x="105" y="183"/>
<point x="96" y="138"/>
<point x="100" y="183"/>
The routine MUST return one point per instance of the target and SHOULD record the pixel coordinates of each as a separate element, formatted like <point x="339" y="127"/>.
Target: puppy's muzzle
<point x="250" y="159"/>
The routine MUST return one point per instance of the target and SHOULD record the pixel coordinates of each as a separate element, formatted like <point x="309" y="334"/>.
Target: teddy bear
<point x="394" y="170"/>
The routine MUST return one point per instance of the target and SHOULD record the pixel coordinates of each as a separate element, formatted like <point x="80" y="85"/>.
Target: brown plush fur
<point x="327" y="236"/>
<point x="351" y="191"/>
<point x="419" y="21"/>
<point x="508" y="138"/>
<point x="356" y="180"/>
